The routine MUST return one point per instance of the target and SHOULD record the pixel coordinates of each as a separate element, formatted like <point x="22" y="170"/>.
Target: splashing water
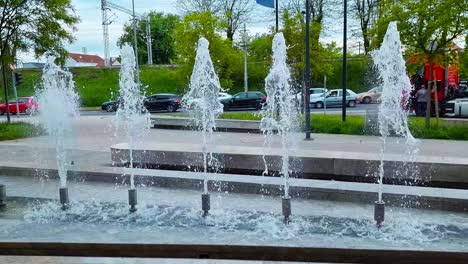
<point x="278" y="113"/>
<point x="396" y="90"/>
<point x="58" y="107"/>
<point x="201" y="98"/>
<point x="131" y="114"/>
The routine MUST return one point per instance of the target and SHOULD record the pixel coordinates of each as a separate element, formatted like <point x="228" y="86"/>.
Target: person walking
<point x="421" y="99"/>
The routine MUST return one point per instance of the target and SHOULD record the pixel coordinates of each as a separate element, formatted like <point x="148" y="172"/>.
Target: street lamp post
<point x="135" y="45"/>
<point x="345" y="70"/>
<point x="307" y="73"/>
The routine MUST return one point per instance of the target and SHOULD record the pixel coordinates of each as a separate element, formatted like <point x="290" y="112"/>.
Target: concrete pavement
<point x="90" y="152"/>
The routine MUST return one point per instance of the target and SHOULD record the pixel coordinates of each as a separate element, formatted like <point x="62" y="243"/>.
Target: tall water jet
<point x="279" y="115"/>
<point x="131" y="114"/>
<point x="58" y="107"/>
<point x="392" y="116"/>
<point x="202" y="102"/>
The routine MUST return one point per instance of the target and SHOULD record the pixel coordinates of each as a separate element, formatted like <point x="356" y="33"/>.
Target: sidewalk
<point x="97" y="134"/>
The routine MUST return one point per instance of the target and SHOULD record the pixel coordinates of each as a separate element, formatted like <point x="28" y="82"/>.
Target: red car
<point x="26" y="105"/>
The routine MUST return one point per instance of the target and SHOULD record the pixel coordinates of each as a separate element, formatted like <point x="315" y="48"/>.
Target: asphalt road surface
<point x="359" y="109"/>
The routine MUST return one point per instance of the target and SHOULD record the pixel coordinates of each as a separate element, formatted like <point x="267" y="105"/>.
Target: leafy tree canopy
<point x="426" y="26"/>
<point x="162" y="27"/>
<point x="40" y="26"/>
<point x="226" y="59"/>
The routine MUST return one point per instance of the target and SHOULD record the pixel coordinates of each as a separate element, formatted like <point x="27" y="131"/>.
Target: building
<point x="83" y="60"/>
<point x="31" y="65"/>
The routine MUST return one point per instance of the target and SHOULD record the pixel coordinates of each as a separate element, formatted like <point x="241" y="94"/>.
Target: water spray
<point x="59" y="105"/>
<point x="392" y="116"/>
<point x="202" y="102"/>
<point x="278" y="115"/>
<point x="131" y="114"/>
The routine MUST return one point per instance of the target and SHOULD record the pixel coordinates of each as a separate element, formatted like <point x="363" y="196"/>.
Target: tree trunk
<point x="436" y="97"/>
<point x="230" y="33"/>
<point x="5" y="86"/>
<point x="428" y="104"/>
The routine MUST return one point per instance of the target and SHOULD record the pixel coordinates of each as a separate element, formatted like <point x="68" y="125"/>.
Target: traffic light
<point x="18" y="78"/>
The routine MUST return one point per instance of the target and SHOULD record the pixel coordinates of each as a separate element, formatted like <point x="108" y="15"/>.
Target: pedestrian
<point x="421" y="99"/>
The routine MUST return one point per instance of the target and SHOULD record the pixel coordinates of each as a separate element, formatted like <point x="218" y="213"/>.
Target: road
<point x="359" y="109"/>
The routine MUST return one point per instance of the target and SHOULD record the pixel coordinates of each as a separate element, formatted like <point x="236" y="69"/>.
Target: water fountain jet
<point x="392" y="116"/>
<point x="202" y="102"/>
<point x="278" y="115"/>
<point x="131" y="113"/>
<point x="58" y="106"/>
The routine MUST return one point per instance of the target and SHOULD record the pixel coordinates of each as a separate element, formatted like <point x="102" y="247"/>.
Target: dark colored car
<point x="245" y="100"/>
<point x="158" y="102"/>
<point x="110" y="106"/>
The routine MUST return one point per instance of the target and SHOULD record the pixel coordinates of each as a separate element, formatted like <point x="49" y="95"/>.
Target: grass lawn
<point x="18" y="130"/>
<point x="331" y="124"/>
<point x="97" y="85"/>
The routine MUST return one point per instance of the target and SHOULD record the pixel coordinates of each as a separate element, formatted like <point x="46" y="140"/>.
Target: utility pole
<point x="277" y="15"/>
<point x="345" y="70"/>
<point x="307" y="73"/>
<point x="149" y="45"/>
<point x="5" y="86"/>
<point x="13" y="78"/>
<point x="135" y="45"/>
<point x="106" y="6"/>
<point x="325" y="101"/>
<point x="246" y="77"/>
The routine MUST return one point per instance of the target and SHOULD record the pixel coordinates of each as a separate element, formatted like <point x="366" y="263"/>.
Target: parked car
<point x="110" y="106"/>
<point x="456" y="107"/>
<point x="313" y="93"/>
<point x="158" y="102"/>
<point x="245" y="100"/>
<point x="333" y="98"/>
<point x="26" y="105"/>
<point x="223" y="96"/>
<point x="371" y="96"/>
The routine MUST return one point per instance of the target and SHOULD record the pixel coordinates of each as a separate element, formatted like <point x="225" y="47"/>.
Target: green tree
<point x="464" y="60"/>
<point x="226" y="59"/>
<point x="259" y="60"/>
<point x="38" y="26"/>
<point x="294" y="32"/>
<point x="232" y="13"/>
<point x="162" y="27"/>
<point x="427" y="27"/>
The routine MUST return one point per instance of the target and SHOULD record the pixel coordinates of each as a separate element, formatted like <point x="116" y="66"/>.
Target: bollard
<point x="132" y="200"/>
<point x="286" y="204"/>
<point x="64" y="200"/>
<point x="379" y="213"/>
<point x="205" y="197"/>
<point x="2" y="195"/>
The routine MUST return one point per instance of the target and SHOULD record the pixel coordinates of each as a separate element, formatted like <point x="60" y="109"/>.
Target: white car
<point x="224" y="96"/>
<point x="333" y="98"/>
<point x="457" y="107"/>
<point x="314" y="92"/>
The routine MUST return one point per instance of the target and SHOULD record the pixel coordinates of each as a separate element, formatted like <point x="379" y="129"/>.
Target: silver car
<point x="333" y="98"/>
